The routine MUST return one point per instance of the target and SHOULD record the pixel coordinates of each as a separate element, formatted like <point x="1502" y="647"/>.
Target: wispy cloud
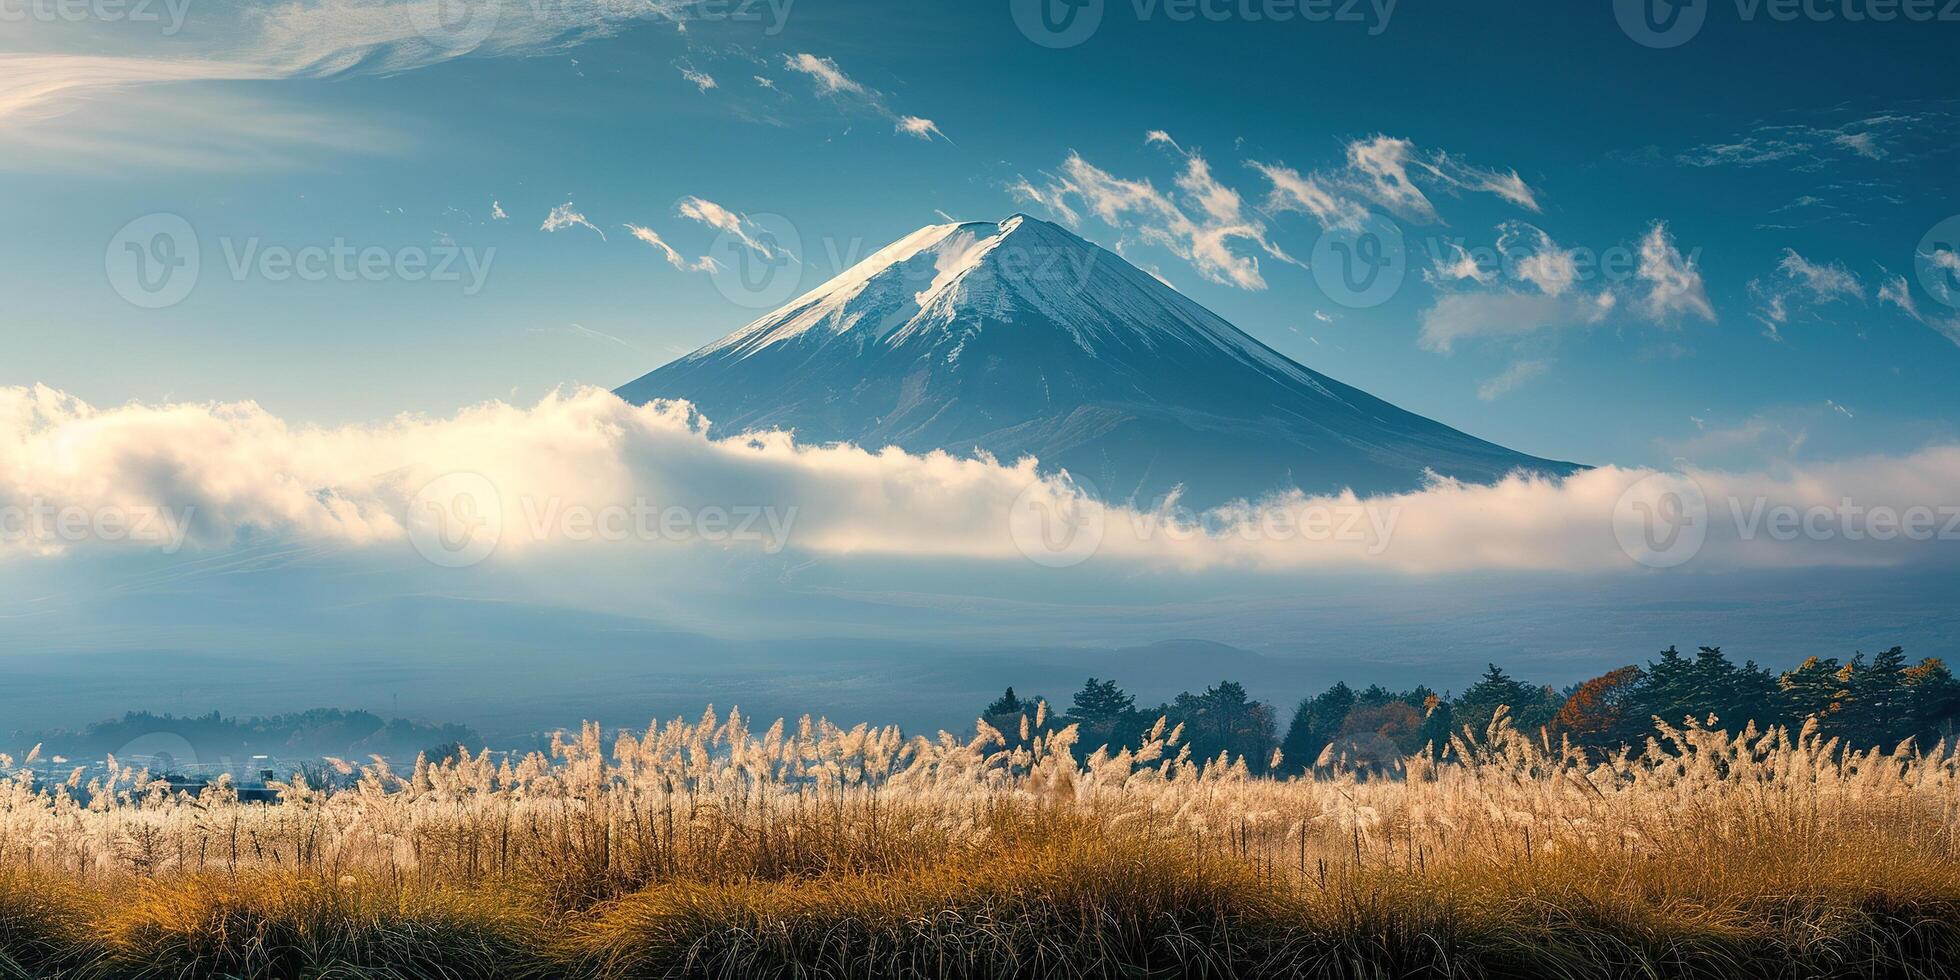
<point x="1539" y="260"/>
<point x="1896" y="291"/>
<point x="145" y="130"/>
<point x="678" y="261"/>
<point x="1457" y="264"/>
<point x="1383" y="166"/>
<point x="1812" y="146"/>
<point x="1542" y="293"/>
<point x="101" y="98"/>
<point x="1388" y="170"/>
<point x="1803" y="284"/>
<point x="825" y="72"/>
<point x="1390" y="173"/>
<point x="316" y="38"/>
<point x="1536" y="286"/>
<point x="1201" y="224"/>
<point x="1502" y="313"/>
<point x="566" y="216"/>
<point x="1674" y="285"/>
<point x="736" y="226"/>
<point x="1052" y="196"/>
<point x="1310" y="195"/>
<point x="1512" y="379"/>
<point x="586" y="333"/>
<point x="830" y="80"/>
<point x="699" y="79"/>
<point x="924" y="129"/>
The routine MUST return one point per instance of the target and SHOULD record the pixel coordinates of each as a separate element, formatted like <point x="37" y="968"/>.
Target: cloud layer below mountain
<point x="583" y="469"/>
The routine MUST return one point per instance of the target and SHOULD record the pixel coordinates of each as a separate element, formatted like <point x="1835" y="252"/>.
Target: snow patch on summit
<point x="944" y="282"/>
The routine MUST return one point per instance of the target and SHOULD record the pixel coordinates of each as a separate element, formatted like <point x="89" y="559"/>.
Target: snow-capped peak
<point x="955" y="278"/>
<point x="1017" y="337"/>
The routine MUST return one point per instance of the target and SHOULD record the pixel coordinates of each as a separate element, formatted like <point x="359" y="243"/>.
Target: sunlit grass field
<point x="708" y="849"/>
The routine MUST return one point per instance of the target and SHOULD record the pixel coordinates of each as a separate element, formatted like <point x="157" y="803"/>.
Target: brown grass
<point x="704" y="852"/>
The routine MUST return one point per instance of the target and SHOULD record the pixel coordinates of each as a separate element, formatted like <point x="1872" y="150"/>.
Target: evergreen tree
<point x="1107" y="716"/>
<point x="1666" y="691"/>
<point x="1007" y="714"/>
<point x="1100" y="701"/>
<point x="1437" y="726"/>
<point x="1934" y="700"/>
<point x="1224" y="719"/>
<point x="1755" y="696"/>
<point x="1814" y="688"/>
<point x="1531" y="707"/>
<point x="1006" y="704"/>
<point x="1315" y="723"/>
<point x="1877" y="711"/>
<point x="1675" y="688"/>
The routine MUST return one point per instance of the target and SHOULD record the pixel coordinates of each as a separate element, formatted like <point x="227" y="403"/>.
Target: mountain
<point x="1019" y="338"/>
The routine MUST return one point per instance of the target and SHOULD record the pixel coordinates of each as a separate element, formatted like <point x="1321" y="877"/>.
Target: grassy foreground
<point x="702" y="850"/>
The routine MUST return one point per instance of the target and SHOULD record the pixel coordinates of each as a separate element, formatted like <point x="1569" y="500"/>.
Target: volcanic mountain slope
<point x="1019" y="338"/>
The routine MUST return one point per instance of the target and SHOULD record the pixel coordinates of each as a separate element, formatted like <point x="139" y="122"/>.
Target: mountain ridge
<point x="1018" y="338"/>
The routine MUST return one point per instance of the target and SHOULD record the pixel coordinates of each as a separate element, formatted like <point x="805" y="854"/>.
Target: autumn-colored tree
<point x="1596" y="712"/>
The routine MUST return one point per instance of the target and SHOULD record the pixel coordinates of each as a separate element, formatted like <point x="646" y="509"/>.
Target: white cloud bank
<point x="223" y="473"/>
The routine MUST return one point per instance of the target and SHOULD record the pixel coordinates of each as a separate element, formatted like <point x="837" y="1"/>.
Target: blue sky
<point x="1731" y="139"/>
<point x="1769" y="196"/>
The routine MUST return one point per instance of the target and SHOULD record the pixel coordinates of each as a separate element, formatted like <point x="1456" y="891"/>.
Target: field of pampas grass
<point x="709" y="850"/>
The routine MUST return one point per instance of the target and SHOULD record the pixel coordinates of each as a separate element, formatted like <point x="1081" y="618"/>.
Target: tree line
<point x="1880" y="700"/>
